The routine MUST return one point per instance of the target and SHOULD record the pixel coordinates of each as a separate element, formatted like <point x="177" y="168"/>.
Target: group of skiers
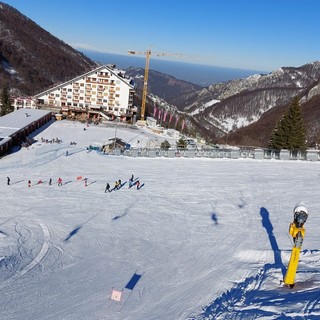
<point x="59" y="182"/>
<point x="117" y="185"/>
<point x="39" y="182"/>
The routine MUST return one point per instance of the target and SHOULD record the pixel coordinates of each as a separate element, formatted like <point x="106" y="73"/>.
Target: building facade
<point x="104" y="92"/>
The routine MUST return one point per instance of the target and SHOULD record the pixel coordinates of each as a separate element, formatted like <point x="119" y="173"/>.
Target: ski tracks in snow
<point x="262" y="295"/>
<point x="35" y="261"/>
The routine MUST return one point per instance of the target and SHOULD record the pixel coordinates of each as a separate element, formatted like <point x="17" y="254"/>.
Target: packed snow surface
<point x="201" y="238"/>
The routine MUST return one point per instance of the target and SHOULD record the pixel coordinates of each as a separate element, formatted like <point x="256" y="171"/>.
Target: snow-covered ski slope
<point x="209" y="237"/>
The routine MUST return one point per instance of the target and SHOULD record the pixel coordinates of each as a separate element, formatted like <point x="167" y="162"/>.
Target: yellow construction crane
<point x="148" y="54"/>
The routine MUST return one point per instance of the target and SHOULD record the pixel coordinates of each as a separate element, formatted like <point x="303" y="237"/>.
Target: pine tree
<point x="289" y="132"/>
<point x="165" y="145"/>
<point x="181" y="143"/>
<point x="6" y="106"/>
<point x="277" y="140"/>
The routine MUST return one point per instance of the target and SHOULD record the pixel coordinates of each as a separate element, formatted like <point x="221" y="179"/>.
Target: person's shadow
<point x="214" y="218"/>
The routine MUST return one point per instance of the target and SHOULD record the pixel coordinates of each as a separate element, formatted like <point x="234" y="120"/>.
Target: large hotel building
<point x="104" y="92"/>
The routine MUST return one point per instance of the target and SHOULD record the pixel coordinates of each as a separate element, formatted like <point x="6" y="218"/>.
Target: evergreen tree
<point x="277" y="140"/>
<point x="181" y="143"/>
<point x="6" y="106"/>
<point x="289" y="132"/>
<point x="165" y="145"/>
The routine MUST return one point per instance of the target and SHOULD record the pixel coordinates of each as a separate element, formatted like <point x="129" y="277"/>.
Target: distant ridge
<point x="203" y="75"/>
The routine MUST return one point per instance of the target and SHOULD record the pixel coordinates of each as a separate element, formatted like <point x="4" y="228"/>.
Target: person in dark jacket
<point x="8" y="181"/>
<point x="107" y="188"/>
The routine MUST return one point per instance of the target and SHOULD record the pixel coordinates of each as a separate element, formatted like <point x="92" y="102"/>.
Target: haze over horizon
<point x="264" y="35"/>
<point x="203" y="75"/>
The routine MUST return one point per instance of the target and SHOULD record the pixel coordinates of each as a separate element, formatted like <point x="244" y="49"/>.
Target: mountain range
<point x="240" y="112"/>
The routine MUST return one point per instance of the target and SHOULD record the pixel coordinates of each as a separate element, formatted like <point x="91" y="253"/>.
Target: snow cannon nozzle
<point x="300" y="215"/>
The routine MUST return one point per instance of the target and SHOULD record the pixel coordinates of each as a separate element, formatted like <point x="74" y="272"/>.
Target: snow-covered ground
<point x="202" y="238"/>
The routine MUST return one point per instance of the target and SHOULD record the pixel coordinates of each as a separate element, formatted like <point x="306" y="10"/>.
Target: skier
<point x="85" y="182"/>
<point x="119" y="184"/>
<point x="116" y="185"/>
<point x="138" y="184"/>
<point x="59" y="182"/>
<point x="50" y="182"/>
<point x="8" y="181"/>
<point x="29" y="183"/>
<point x="131" y="181"/>
<point x="107" y="188"/>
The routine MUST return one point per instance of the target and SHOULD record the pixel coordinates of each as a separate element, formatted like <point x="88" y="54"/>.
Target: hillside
<point x="31" y="59"/>
<point x="247" y="109"/>
<point x="162" y="85"/>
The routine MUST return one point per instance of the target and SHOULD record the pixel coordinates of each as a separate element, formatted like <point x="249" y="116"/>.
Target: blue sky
<point x="245" y="34"/>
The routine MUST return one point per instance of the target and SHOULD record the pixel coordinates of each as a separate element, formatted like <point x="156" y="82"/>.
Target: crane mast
<point x="148" y="54"/>
<point x="145" y="85"/>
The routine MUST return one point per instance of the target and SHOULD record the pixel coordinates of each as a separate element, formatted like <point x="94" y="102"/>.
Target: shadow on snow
<point x="246" y="300"/>
<point x="77" y="229"/>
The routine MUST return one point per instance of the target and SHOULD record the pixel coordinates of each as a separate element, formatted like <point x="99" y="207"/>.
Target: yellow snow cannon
<point x="297" y="232"/>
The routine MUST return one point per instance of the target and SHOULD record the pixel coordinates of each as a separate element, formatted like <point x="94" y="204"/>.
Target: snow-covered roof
<point x="15" y="121"/>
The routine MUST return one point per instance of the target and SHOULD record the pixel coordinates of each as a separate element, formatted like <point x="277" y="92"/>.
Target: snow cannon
<point x="296" y="230"/>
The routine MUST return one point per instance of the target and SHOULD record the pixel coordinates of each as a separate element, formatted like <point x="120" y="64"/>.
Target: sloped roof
<point x="110" y="68"/>
<point x="118" y="141"/>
